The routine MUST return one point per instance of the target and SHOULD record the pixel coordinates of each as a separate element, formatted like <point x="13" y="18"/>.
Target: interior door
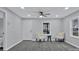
<point x="27" y="29"/>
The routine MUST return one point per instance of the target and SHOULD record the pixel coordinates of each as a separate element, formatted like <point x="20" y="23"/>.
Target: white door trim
<point x="4" y="29"/>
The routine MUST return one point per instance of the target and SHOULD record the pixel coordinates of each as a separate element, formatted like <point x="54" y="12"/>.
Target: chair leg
<point x="36" y="39"/>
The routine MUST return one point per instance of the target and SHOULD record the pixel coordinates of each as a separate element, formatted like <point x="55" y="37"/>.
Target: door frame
<point x="4" y="29"/>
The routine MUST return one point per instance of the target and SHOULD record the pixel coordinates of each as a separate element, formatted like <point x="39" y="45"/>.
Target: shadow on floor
<point x="1" y="48"/>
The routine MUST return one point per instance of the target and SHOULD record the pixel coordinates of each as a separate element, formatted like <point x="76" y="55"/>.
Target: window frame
<point x="49" y="26"/>
<point x="71" y="27"/>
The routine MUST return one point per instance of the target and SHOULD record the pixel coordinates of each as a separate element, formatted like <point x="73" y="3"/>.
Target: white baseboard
<point x="72" y="44"/>
<point x="14" y="45"/>
<point x="30" y="39"/>
<point x="33" y="40"/>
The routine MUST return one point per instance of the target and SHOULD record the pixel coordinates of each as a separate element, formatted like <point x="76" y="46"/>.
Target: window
<point x="46" y="28"/>
<point x="75" y="27"/>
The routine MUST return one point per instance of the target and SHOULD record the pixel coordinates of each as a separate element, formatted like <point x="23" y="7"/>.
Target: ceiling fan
<point x="41" y="13"/>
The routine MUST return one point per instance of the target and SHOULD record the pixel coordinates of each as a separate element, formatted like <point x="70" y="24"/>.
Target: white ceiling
<point x="55" y="12"/>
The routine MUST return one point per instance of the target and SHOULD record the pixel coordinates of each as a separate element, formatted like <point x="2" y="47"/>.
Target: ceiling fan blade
<point x="44" y="15"/>
<point x="47" y="14"/>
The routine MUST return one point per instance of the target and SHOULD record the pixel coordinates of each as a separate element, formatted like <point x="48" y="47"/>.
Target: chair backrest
<point x="61" y="34"/>
<point x="40" y="35"/>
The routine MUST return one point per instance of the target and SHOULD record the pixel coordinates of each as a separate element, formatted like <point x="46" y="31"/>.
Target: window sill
<point x="75" y="36"/>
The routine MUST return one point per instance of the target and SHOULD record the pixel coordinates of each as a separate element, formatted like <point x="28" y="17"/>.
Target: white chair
<point x="60" y="37"/>
<point x="40" y="37"/>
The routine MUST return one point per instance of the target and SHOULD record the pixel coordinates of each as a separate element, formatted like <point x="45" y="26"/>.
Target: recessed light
<point x="66" y="8"/>
<point x="57" y="15"/>
<point x="28" y="15"/>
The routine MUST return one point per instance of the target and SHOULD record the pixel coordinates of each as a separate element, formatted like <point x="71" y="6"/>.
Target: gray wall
<point x="36" y="24"/>
<point x="69" y="39"/>
<point x="13" y="29"/>
<point x="36" y="28"/>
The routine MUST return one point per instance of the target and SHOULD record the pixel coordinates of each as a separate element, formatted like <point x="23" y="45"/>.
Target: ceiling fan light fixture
<point x="41" y="16"/>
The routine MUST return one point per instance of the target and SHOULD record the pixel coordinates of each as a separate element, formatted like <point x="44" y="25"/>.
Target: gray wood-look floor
<point x="43" y="46"/>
